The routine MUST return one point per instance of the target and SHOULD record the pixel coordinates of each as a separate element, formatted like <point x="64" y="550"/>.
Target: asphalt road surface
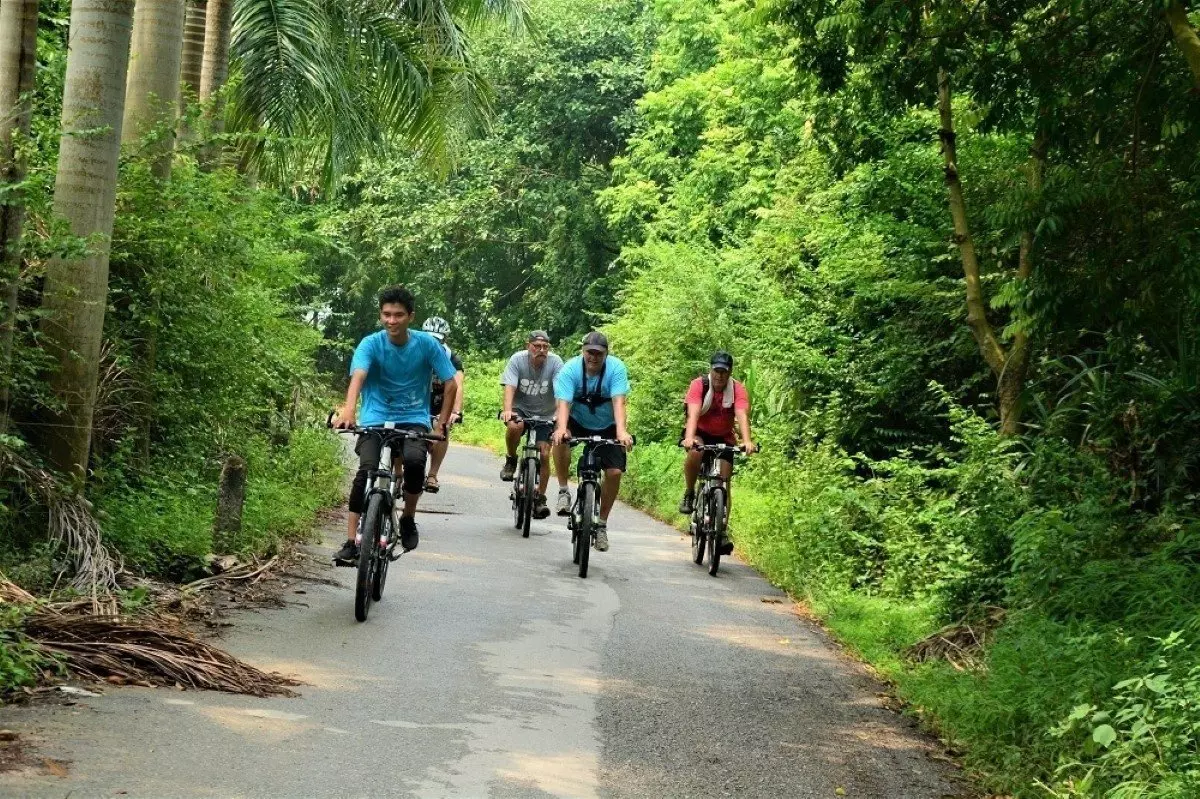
<point x="491" y="670"/>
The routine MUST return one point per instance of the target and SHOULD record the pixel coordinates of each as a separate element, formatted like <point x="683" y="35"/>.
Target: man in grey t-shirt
<point x="528" y="381"/>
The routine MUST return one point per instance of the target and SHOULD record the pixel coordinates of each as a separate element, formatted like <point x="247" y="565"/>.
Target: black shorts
<point x="413" y="457"/>
<point x="541" y="433"/>
<point x="611" y="456"/>
<point x="711" y="439"/>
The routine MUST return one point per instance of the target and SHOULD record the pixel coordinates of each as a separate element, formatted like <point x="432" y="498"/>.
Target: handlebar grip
<point x="329" y="419"/>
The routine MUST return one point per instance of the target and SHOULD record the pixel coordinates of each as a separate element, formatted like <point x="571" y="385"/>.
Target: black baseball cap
<point x="721" y="360"/>
<point x="595" y="341"/>
<point x="539" y="335"/>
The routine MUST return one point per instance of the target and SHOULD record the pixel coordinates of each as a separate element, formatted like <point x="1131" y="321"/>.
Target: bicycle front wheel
<point x="530" y="491"/>
<point x="716" y="509"/>
<point x="379" y="578"/>
<point x="698" y="531"/>
<point x="585" y="527"/>
<point x="371" y="529"/>
<point x="518" y="499"/>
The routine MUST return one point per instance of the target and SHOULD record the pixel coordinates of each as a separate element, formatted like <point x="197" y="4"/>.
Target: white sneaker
<point x="563" y="508"/>
<point x="602" y="538"/>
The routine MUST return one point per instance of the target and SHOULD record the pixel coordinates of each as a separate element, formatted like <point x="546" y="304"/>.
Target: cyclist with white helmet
<point x="439" y="328"/>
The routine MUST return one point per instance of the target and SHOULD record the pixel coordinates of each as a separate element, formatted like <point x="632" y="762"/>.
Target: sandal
<point x="431" y="484"/>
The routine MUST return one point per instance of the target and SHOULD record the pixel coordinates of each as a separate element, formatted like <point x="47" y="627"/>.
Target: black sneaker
<point x="347" y="555"/>
<point x="540" y="509"/>
<point x="688" y="503"/>
<point x="726" y="547"/>
<point x="510" y="468"/>
<point x="408" y="533"/>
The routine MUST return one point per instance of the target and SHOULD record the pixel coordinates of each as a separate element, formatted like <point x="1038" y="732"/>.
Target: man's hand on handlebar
<point x="749" y="447"/>
<point x="625" y="439"/>
<point x="344" y="418"/>
<point x="689" y="442"/>
<point x="561" y="436"/>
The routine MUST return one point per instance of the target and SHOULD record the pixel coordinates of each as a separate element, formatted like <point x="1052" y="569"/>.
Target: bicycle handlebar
<point x="721" y="448"/>
<point x="597" y="440"/>
<point x="528" y="422"/>
<point x="398" y="432"/>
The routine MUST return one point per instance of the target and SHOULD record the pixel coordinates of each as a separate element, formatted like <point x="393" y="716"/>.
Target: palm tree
<point x="325" y="82"/>
<point x="152" y="90"/>
<point x="76" y="288"/>
<point x="18" y="44"/>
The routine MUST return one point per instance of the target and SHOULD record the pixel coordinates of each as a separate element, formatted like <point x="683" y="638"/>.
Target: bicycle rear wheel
<point x="716" y="508"/>
<point x="530" y="491"/>
<point x="363" y="585"/>
<point x="583" y="529"/>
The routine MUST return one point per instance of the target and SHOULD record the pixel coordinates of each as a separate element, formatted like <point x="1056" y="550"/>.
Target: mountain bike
<point x="585" y="513"/>
<point x="377" y="534"/>
<point x="710" y="513"/>
<point x="529" y="473"/>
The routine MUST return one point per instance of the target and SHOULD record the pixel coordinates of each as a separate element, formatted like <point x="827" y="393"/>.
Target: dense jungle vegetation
<point x="953" y="248"/>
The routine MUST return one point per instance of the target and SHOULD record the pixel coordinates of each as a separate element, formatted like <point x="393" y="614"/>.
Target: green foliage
<point x="20" y="661"/>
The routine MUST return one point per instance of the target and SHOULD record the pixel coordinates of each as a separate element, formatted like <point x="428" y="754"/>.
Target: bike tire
<point x="382" y="563"/>
<point x="698" y="533"/>
<point x="531" y="483"/>
<point x="366" y="557"/>
<point x="717" y="509"/>
<point x="583" y="540"/>
<point x="518" y="499"/>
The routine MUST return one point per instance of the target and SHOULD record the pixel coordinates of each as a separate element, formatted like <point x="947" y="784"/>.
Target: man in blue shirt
<point x="392" y="371"/>
<point x="590" y="391"/>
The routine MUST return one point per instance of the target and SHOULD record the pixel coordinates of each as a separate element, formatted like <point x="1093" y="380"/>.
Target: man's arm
<point x="460" y="391"/>
<point x="619" y="413"/>
<point x="743" y="420"/>
<point x="345" y="416"/>
<point x="448" y="397"/>
<point x="562" y="413"/>
<point x="693" y="421"/>
<point x="510" y="396"/>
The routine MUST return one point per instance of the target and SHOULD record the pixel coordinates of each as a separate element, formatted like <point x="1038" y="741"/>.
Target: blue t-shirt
<point x="398" y="378"/>
<point x="572" y="380"/>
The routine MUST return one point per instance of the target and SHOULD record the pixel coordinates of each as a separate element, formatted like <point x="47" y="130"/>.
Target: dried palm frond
<point x="155" y="653"/>
<point x="961" y="645"/>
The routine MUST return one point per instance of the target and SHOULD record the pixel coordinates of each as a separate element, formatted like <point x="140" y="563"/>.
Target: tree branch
<point x="1185" y="37"/>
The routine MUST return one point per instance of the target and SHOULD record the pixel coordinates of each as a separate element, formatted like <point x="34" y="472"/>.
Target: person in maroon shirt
<point x="713" y="405"/>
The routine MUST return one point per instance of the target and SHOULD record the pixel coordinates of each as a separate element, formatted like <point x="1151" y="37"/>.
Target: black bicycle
<point x="585" y="513"/>
<point x="377" y="536"/>
<point x="529" y="473"/>
<point x="710" y="513"/>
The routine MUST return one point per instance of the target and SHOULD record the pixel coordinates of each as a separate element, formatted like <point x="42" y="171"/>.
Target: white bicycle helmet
<point x="437" y="327"/>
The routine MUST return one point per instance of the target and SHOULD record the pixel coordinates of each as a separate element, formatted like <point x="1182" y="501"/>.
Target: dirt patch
<point x="18" y="756"/>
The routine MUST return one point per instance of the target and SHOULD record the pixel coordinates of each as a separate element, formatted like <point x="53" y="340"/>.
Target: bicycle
<point x="528" y="476"/>
<point x="376" y="538"/>
<point x="710" y="513"/>
<point x="585" y="513"/>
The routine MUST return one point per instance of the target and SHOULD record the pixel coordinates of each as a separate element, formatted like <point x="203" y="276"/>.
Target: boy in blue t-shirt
<point x="391" y="371"/>
<point x="590" y="392"/>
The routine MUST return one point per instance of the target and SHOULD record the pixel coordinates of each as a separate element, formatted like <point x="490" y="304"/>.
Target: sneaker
<point x="726" y="547"/>
<point x="688" y="503"/>
<point x="510" y="468"/>
<point x="601" y="537"/>
<point x="563" y="508"/>
<point x="540" y="509"/>
<point x="408" y="533"/>
<point x="347" y="555"/>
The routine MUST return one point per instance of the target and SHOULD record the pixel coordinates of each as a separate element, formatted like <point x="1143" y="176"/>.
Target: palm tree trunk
<point x="18" y="46"/>
<point x="191" y="63"/>
<point x="218" y="27"/>
<point x="76" y="290"/>
<point x="152" y="91"/>
<point x="1185" y="37"/>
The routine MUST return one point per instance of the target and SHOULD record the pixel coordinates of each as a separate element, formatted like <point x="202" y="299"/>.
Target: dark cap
<point x="539" y="335"/>
<point x="595" y="341"/>
<point x="721" y="360"/>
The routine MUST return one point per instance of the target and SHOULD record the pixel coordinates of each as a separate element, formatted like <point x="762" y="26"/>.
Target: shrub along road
<point x="490" y="669"/>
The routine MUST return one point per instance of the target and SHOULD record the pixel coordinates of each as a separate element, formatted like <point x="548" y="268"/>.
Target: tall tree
<point x="76" y="288"/>
<point x="1185" y="37"/>
<point x="218" y="26"/>
<point x="152" y="92"/>
<point x="191" y="62"/>
<point x="18" y="43"/>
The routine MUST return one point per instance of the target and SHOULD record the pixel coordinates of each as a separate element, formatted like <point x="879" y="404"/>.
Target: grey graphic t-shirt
<point x="535" y="388"/>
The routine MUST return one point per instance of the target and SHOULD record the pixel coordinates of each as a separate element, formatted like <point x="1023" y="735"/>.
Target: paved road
<point x="491" y="670"/>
